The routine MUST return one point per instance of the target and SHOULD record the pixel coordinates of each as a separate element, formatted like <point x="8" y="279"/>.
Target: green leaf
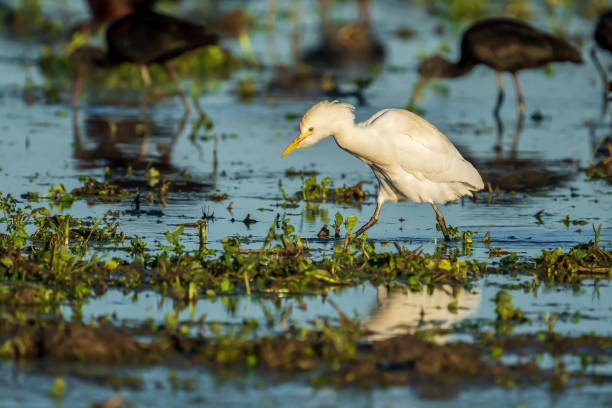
<point x="171" y="320"/>
<point x="445" y="265"/>
<point x="453" y="307"/>
<point x="339" y="219"/>
<point x="58" y="389"/>
<point x="351" y="222"/>
<point x="226" y="286"/>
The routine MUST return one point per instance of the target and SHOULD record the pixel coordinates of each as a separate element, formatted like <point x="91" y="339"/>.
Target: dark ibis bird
<point x="143" y="38"/>
<point x="603" y="37"/>
<point x="106" y="11"/>
<point x="504" y="44"/>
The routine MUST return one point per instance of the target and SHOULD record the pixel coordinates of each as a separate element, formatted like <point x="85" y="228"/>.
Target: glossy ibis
<point x="143" y="38"/>
<point x="504" y="44"/>
<point x="106" y="11"/>
<point x="603" y="37"/>
<point x="410" y="158"/>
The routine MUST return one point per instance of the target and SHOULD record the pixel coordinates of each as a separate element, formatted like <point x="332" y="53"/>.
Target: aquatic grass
<point x="59" y="255"/>
<point x="583" y="261"/>
<point x="313" y="191"/>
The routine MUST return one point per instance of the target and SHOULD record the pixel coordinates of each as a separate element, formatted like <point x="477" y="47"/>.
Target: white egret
<point x="410" y="158"/>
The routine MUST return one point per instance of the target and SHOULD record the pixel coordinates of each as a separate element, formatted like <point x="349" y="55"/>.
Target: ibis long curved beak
<point x="296" y="142"/>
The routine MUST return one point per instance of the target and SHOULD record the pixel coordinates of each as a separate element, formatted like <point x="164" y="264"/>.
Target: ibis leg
<point x="519" y="94"/>
<point x="373" y="220"/>
<point x="146" y="78"/>
<point x="500" y="133"/>
<point x="517" y="136"/>
<point x="604" y="78"/>
<point x="521" y="108"/>
<point x="77" y="87"/>
<point x="500" y="93"/>
<point x="177" y="83"/>
<point x="441" y="221"/>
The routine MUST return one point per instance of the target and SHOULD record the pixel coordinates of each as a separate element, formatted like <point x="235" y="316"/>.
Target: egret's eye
<point x="310" y="129"/>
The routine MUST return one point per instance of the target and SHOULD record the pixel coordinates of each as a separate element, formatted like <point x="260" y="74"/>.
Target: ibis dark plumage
<point x="603" y="38"/>
<point x="106" y="11"/>
<point x="143" y="38"/>
<point x="506" y="45"/>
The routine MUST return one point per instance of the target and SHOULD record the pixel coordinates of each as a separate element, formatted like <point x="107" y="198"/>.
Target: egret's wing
<point x="420" y="149"/>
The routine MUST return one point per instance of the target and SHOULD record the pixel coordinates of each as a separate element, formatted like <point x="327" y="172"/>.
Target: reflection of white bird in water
<point x="410" y="158"/>
<point x="401" y="311"/>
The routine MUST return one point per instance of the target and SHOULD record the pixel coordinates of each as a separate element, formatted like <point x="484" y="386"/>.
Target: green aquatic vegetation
<point x="323" y="192"/>
<point x="106" y="191"/>
<point x="582" y="261"/>
<point x="59" y="197"/>
<point x="568" y="221"/>
<point x="504" y="308"/>
<point x="207" y="65"/>
<point x="58" y="390"/>
<point x="311" y="190"/>
<point x="602" y="169"/>
<point x="58" y="255"/>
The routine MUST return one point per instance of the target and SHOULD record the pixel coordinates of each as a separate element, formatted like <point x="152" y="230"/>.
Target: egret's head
<point x="321" y="121"/>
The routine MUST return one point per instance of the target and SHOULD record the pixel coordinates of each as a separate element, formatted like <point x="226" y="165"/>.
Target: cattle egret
<point x="410" y="158"/>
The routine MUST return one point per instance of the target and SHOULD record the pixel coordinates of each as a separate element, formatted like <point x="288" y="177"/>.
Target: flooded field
<point x="153" y="258"/>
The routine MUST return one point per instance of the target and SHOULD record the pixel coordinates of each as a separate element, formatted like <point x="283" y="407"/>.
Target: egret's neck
<point x="351" y="137"/>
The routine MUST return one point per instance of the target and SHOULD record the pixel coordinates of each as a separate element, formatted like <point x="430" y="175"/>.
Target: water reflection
<point x="400" y="311"/>
<point x="123" y="141"/>
<point x="352" y="45"/>
<point x="524" y="172"/>
<point x="500" y="131"/>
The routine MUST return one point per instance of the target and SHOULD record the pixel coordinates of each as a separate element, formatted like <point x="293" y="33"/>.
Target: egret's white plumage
<point x="410" y="158"/>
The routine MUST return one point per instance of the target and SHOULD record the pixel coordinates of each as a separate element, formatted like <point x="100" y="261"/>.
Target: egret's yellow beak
<point x="296" y="142"/>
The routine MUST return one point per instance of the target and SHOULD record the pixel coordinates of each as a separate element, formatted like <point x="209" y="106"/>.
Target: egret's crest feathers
<point x="326" y="111"/>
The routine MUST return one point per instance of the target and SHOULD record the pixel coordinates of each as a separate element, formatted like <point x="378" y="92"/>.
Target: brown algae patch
<point x="331" y="355"/>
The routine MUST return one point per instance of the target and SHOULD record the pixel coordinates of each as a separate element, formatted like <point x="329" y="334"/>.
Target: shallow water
<point x="37" y="150"/>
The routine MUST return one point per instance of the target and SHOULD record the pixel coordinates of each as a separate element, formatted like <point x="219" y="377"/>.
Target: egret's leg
<point x="374" y="218"/>
<point x="146" y="78"/>
<point x="177" y="83"/>
<point x="441" y="221"/>
<point x="500" y="94"/>
<point x="604" y="78"/>
<point x="519" y="94"/>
